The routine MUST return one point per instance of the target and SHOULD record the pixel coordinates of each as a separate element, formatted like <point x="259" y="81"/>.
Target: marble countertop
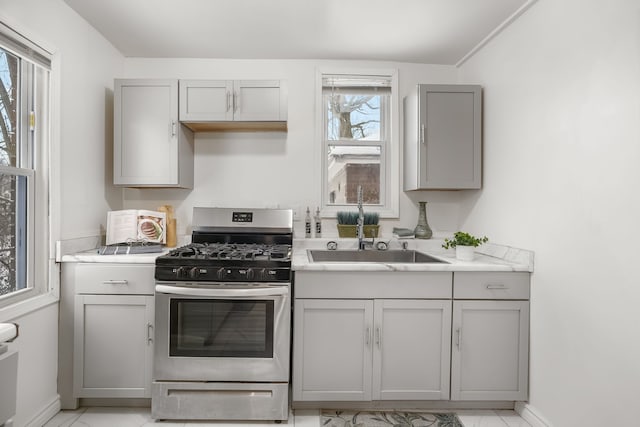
<point x="93" y="256"/>
<point x="488" y="257"/>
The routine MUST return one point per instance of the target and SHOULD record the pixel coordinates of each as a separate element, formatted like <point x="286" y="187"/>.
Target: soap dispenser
<point x="318" y="223"/>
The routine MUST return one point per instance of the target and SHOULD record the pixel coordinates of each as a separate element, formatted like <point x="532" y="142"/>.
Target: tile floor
<point x="139" y="417"/>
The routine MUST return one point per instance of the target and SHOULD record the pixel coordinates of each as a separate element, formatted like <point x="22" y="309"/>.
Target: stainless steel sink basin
<point x="393" y="256"/>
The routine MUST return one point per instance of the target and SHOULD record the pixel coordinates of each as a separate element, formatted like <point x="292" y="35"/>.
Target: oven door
<point x="222" y="334"/>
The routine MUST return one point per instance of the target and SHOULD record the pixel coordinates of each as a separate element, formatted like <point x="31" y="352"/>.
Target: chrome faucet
<point x="362" y="244"/>
<point x="360" y="226"/>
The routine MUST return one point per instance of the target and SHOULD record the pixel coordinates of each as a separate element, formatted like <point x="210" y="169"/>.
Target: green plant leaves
<point x="460" y="238"/>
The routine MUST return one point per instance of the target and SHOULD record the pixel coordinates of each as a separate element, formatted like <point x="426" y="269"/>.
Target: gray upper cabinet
<point x="151" y="148"/>
<point x="233" y="104"/>
<point x="442" y="138"/>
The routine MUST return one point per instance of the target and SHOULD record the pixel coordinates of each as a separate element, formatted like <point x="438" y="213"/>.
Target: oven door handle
<point x="236" y="292"/>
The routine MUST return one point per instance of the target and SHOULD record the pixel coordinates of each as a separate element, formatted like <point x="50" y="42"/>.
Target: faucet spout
<point x="360" y="226"/>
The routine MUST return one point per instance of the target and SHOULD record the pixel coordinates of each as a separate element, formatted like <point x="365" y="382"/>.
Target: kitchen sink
<point x="393" y="256"/>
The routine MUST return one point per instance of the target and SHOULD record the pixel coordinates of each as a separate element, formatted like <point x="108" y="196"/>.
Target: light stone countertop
<point x="93" y="256"/>
<point x="488" y="257"/>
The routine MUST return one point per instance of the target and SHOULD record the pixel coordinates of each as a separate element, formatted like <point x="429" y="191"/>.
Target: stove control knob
<point x="181" y="272"/>
<point x="260" y="274"/>
<point x="221" y="273"/>
<point x="194" y="273"/>
<point x="251" y="274"/>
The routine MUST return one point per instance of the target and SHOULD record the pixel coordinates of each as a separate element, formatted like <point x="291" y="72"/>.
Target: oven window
<point x="221" y="328"/>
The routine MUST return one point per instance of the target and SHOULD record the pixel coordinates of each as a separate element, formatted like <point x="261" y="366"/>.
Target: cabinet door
<point x="332" y="350"/>
<point x="450" y="136"/>
<point x="206" y="100"/>
<point x="490" y="350"/>
<point x="146" y="132"/>
<point x="259" y="100"/>
<point x="113" y="347"/>
<point x="412" y="340"/>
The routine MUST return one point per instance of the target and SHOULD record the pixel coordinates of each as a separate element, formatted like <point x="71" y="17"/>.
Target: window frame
<point x="389" y="152"/>
<point x="34" y="119"/>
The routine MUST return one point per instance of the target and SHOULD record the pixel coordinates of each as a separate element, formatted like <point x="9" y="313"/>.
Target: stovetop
<point x="231" y="252"/>
<point x="233" y="245"/>
<point x="230" y="262"/>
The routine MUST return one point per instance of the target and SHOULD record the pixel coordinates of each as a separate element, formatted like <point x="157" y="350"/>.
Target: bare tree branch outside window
<point x="8" y="157"/>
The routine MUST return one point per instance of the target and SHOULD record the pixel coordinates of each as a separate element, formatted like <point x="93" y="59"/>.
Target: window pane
<point x="8" y="104"/>
<point x="350" y="166"/>
<point x="13" y="219"/>
<point x="353" y="117"/>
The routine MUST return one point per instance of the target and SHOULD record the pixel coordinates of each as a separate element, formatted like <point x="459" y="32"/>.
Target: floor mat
<point x="388" y="418"/>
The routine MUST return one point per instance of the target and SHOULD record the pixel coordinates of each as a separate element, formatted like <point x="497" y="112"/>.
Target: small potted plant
<point x="464" y="244"/>
<point x="347" y="222"/>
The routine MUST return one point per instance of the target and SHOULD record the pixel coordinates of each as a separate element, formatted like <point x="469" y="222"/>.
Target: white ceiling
<point x="420" y="31"/>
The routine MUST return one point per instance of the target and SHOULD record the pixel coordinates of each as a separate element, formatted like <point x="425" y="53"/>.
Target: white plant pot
<point x="465" y="253"/>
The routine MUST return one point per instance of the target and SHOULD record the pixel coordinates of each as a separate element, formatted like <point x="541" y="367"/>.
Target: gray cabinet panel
<point x="151" y="148"/>
<point x="332" y="349"/>
<point x="412" y="349"/>
<point x="490" y="350"/>
<point x="113" y="345"/>
<point x="442" y="147"/>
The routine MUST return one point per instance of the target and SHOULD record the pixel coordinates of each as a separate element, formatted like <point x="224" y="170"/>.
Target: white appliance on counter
<point x="8" y="374"/>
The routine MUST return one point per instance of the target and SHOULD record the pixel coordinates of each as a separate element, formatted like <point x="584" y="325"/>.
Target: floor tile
<point x="110" y="417"/>
<point x="512" y="419"/>
<point x="480" y="418"/>
<point x="307" y="418"/>
<point x="65" y="418"/>
<point x="141" y="417"/>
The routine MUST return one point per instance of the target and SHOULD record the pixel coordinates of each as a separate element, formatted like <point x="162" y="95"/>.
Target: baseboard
<point x="531" y="415"/>
<point x="48" y="412"/>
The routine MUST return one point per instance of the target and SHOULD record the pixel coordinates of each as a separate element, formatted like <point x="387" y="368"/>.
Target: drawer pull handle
<point x="458" y="333"/>
<point x="497" y="286"/>
<point x="116" y="282"/>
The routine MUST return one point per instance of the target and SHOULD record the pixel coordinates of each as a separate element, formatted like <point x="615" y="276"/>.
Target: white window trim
<point x="48" y="282"/>
<point x="391" y="208"/>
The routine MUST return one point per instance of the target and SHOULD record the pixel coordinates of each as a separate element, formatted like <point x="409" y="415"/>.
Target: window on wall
<point x="24" y="106"/>
<point x="359" y="142"/>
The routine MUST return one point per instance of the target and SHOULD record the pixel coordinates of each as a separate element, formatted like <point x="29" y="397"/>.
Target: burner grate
<point x="232" y="251"/>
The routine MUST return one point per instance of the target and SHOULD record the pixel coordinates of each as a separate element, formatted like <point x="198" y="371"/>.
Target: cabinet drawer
<point x="373" y="284"/>
<point x="122" y="279"/>
<point x="489" y="285"/>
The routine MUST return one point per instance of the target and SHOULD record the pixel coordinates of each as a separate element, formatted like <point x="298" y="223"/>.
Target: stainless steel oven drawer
<point x="120" y="279"/>
<point x="219" y="401"/>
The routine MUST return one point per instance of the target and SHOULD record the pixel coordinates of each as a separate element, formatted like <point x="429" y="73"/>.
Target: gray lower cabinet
<point x="332" y="349"/>
<point x="490" y="345"/>
<point x="105" y="331"/>
<point x="362" y="350"/>
<point x="410" y="336"/>
<point x="113" y="345"/>
<point x="411" y="349"/>
<point x="490" y="350"/>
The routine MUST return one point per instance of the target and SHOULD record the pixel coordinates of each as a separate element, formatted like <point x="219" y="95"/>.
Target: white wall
<point x="561" y="156"/>
<point x="87" y="64"/>
<point x="264" y="169"/>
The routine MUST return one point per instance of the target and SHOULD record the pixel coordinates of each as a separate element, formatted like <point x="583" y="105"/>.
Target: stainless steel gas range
<point x="223" y="318"/>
